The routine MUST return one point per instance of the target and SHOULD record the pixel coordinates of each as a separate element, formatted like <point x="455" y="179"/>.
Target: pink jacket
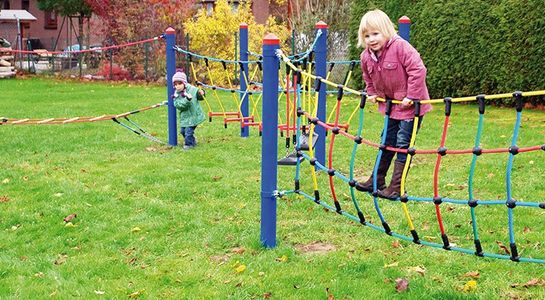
<point x="398" y="73"/>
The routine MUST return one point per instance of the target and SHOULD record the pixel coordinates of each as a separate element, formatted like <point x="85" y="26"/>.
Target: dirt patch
<point x="316" y="247"/>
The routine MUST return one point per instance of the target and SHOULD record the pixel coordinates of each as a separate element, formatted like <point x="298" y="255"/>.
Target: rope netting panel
<point x="333" y="125"/>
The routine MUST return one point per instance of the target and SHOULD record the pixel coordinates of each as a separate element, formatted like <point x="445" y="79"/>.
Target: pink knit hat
<point x="179" y="76"/>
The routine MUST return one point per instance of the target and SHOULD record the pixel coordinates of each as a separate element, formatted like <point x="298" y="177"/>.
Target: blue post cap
<point x="321" y="25"/>
<point x="271" y="39"/>
<point x="404" y="20"/>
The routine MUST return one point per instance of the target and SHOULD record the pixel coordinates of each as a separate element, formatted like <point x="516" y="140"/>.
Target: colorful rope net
<point x="439" y="153"/>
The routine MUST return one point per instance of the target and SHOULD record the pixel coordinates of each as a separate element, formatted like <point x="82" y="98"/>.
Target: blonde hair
<point x="375" y="20"/>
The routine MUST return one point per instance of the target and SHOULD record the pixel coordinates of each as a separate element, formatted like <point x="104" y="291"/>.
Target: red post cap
<point x="243" y="25"/>
<point x="271" y="39"/>
<point x="321" y="25"/>
<point x="170" y="30"/>
<point x="404" y="20"/>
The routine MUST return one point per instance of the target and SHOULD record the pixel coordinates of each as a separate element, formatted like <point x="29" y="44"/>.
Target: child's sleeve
<point x="199" y="96"/>
<point x="416" y="72"/>
<point x="181" y="103"/>
<point x="369" y="87"/>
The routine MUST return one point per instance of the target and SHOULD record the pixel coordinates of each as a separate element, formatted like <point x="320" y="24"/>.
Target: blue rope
<point x="471" y="173"/>
<point x="210" y="58"/>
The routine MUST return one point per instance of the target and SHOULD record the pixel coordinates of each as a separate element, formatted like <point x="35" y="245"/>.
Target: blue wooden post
<point x="243" y="33"/>
<point x="321" y="70"/>
<point x="404" y="27"/>
<point x="269" y="143"/>
<point x="170" y="36"/>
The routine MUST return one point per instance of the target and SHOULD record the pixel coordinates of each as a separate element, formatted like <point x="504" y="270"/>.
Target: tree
<point x="68" y="8"/>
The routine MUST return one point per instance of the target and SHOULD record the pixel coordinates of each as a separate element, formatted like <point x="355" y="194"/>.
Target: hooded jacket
<point x="398" y="73"/>
<point x="187" y="103"/>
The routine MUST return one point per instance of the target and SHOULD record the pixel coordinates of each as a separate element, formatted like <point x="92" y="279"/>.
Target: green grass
<point x="154" y="222"/>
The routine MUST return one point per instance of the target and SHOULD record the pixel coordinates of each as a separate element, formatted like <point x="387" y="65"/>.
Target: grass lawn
<point x="154" y="222"/>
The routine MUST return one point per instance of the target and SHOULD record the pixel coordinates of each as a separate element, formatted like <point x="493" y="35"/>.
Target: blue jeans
<point x="188" y="134"/>
<point x="399" y="135"/>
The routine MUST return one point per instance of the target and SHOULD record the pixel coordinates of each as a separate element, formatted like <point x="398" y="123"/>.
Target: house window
<point x="25" y="4"/>
<point x="5" y="4"/>
<point x="50" y="20"/>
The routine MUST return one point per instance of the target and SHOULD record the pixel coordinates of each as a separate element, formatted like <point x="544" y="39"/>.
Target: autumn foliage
<point x="214" y="35"/>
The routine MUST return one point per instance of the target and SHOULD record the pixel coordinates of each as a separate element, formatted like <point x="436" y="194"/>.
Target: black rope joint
<point x="317" y="196"/>
<point x="417" y="106"/>
<point x="511" y="203"/>
<point x="542" y="147"/>
<point x="224" y="64"/>
<point x="241" y="64"/>
<point x="480" y="100"/>
<point x="411" y="151"/>
<point x="518" y="100"/>
<point x="542" y="205"/>
<point x="375" y="194"/>
<point x="363" y="100"/>
<point x="472" y="203"/>
<point x="514" y="252"/>
<point x="358" y="140"/>
<point x="442" y="151"/>
<point x="331" y="172"/>
<point x="300" y="112"/>
<point x="318" y="83"/>
<point x="299" y="153"/>
<point x="313" y="161"/>
<point x="331" y="65"/>
<point x="446" y="244"/>
<point x="340" y="91"/>
<point x="260" y="66"/>
<point x="478" y="248"/>
<point x="314" y="121"/>
<point x="205" y="61"/>
<point x="297" y="185"/>
<point x="338" y="208"/>
<point x="477" y="151"/>
<point x="514" y="150"/>
<point x="362" y="218"/>
<point x="387" y="229"/>
<point x="382" y="147"/>
<point x="335" y="130"/>
<point x="404" y="198"/>
<point x="448" y="105"/>
<point x="232" y="90"/>
<point x="298" y="74"/>
<point x="352" y="183"/>
<point x="352" y="65"/>
<point x="214" y="88"/>
<point x="437" y="200"/>
<point x="416" y="239"/>
<point x="311" y="56"/>
<point x="388" y="107"/>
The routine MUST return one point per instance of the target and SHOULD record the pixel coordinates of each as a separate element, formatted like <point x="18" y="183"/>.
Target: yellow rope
<point x="195" y="77"/>
<point x="406" y="170"/>
<point x="215" y="92"/>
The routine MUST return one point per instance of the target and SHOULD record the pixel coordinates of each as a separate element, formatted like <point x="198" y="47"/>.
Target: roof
<point x="14" y="14"/>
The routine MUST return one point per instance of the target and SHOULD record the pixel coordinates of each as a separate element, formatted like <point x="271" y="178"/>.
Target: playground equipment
<point x="272" y="56"/>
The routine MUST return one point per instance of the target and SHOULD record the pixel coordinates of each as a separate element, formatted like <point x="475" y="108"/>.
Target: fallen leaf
<point x="57" y="194"/>
<point x="136" y="229"/>
<point x="283" y="258"/>
<point x="5" y="181"/>
<point x="472" y="274"/>
<point x="525" y="230"/>
<point x="470" y="286"/>
<point x="69" y="224"/>
<point x="238" y="250"/>
<point x="216" y="178"/>
<point x="70" y="217"/>
<point x="39" y="274"/>
<point x="136" y="294"/>
<point x="315" y="247"/>
<point x="531" y="282"/>
<point x="25" y="178"/>
<point x="240" y="268"/>
<point x="267" y="295"/>
<point x="151" y="149"/>
<point x="418" y="269"/>
<point x="15" y="227"/>
<point x="402" y="285"/>
<point x="329" y="294"/>
<point x="61" y="259"/>
<point x="4" y="199"/>
<point x="394" y="264"/>
<point x="261" y="274"/>
<point x="396" y="244"/>
<point x="98" y="292"/>
<point x="503" y="247"/>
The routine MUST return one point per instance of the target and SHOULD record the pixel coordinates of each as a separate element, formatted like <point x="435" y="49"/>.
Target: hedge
<point x="470" y="47"/>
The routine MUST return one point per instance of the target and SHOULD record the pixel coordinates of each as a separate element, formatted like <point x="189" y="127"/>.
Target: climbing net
<point x="309" y="112"/>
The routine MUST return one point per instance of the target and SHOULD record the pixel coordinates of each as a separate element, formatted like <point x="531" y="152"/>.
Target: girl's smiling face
<point x="374" y="40"/>
<point x="179" y="86"/>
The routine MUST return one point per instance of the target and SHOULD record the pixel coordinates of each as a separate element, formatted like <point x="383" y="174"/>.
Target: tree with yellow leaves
<point x="214" y="35"/>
